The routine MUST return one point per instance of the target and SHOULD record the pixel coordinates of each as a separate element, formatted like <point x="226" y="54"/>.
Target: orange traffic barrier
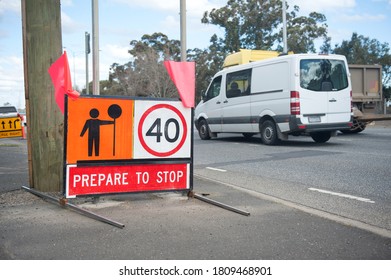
<point x="23" y="125"/>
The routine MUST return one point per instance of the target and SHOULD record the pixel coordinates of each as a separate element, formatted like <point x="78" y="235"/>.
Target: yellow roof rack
<point x="247" y="56"/>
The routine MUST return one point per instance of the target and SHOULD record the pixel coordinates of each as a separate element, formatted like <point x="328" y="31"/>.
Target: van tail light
<point x="351" y="102"/>
<point x="295" y="103"/>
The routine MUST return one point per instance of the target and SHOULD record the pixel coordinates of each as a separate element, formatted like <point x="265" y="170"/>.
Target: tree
<point x="208" y="62"/>
<point x="363" y="50"/>
<point x="106" y="87"/>
<point x="257" y="24"/>
<point x="145" y="75"/>
<point x="251" y="24"/>
<point x="303" y="31"/>
<point x="326" y="47"/>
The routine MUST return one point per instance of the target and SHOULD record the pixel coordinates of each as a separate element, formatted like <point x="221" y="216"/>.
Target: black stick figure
<point x="93" y="126"/>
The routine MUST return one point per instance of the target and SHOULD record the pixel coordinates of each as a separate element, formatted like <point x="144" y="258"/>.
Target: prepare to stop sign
<point x="145" y="146"/>
<point x="163" y="130"/>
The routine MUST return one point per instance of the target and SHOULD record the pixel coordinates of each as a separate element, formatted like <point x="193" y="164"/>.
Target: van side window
<point x="238" y="83"/>
<point x="323" y="74"/>
<point x="214" y="89"/>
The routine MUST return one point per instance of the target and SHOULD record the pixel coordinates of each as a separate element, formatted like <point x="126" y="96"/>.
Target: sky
<point x="121" y="21"/>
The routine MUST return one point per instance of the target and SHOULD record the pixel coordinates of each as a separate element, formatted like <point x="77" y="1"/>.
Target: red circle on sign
<point x="140" y="130"/>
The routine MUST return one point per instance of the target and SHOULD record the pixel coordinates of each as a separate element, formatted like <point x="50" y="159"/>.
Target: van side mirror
<point x="203" y="95"/>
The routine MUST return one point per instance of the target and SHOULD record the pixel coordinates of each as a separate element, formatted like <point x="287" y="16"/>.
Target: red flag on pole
<point x="183" y="76"/>
<point x="61" y="78"/>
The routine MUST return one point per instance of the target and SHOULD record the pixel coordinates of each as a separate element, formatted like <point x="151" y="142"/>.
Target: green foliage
<point x="208" y="62"/>
<point x="158" y="42"/>
<point x="303" y="31"/>
<point x="257" y="24"/>
<point x="387" y="92"/>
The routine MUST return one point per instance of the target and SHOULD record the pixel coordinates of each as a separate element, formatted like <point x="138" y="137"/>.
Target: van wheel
<point x="321" y="137"/>
<point x="203" y="130"/>
<point x="268" y="132"/>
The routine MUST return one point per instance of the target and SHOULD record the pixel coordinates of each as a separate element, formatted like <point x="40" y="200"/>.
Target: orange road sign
<point x="99" y="129"/>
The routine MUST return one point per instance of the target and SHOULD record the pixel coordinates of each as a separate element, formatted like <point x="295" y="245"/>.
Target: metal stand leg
<point x="219" y="204"/>
<point x="64" y="202"/>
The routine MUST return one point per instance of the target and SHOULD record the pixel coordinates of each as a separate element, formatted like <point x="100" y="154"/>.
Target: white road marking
<point x="343" y="195"/>
<point x="216" y="169"/>
<point x="333" y="217"/>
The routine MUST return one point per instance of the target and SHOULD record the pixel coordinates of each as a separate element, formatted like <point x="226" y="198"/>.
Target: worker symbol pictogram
<point x="93" y="125"/>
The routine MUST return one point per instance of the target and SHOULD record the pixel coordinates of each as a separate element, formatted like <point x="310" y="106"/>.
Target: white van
<point x="298" y="94"/>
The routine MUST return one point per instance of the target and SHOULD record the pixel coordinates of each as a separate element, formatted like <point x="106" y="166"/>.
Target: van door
<point x="211" y="107"/>
<point x="325" y="92"/>
<point x="236" y="107"/>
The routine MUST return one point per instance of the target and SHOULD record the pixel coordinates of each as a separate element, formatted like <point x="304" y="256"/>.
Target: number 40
<point x="156" y="130"/>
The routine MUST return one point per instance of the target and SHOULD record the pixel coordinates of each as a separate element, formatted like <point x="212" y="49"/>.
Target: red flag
<point x="183" y="76"/>
<point x="61" y="78"/>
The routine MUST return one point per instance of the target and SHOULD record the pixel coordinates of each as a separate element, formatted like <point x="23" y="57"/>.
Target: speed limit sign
<point x="162" y="130"/>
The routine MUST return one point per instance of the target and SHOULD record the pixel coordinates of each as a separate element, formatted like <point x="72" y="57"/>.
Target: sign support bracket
<point x="64" y="202"/>
<point x="216" y="203"/>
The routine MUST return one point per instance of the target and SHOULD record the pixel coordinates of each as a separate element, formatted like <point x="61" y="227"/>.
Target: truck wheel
<point x="203" y="130"/>
<point x="357" y="127"/>
<point x="268" y="132"/>
<point x="321" y="137"/>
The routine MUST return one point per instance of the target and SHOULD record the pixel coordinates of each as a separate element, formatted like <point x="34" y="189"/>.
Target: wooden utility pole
<point x="42" y="45"/>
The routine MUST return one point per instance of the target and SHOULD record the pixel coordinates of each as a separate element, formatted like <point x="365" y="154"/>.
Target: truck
<point x="278" y="97"/>
<point x="367" y="96"/>
<point x="367" y="90"/>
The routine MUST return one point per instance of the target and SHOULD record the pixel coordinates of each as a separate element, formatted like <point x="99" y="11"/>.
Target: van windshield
<point x="323" y="74"/>
<point x="214" y="88"/>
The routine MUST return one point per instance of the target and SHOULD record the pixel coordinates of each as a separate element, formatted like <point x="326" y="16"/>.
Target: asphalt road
<point x="349" y="176"/>
<point x="13" y="164"/>
<point x="171" y="226"/>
